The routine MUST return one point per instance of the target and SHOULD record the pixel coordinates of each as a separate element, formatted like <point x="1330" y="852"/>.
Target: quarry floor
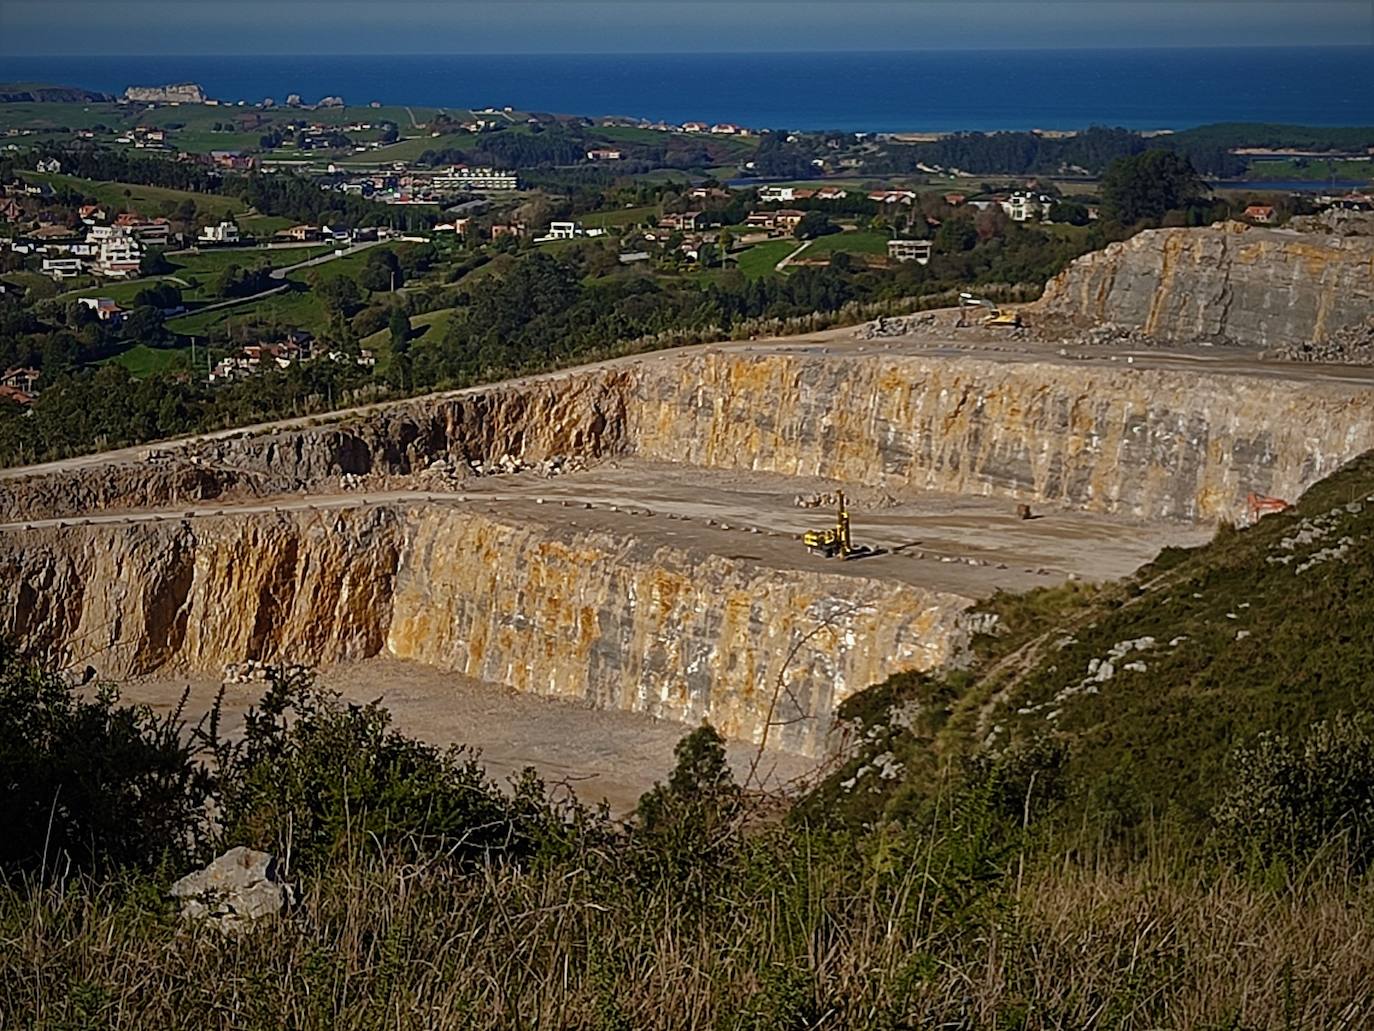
<point x="613" y="755"/>
<point x="960" y="544"/>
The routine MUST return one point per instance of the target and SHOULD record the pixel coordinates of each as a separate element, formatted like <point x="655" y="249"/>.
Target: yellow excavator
<point x="834" y="542"/>
<point x="995" y="316"/>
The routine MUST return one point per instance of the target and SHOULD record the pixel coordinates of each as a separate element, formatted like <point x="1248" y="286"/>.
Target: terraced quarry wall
<point x="1098" y="436"/>
<point x="538" y="607"/>
<point x="1231" y="283"/>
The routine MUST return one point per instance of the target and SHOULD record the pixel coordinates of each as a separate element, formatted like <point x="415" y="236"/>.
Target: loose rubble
<point x="255" y="671"/>
<point x="1351" y="345"/>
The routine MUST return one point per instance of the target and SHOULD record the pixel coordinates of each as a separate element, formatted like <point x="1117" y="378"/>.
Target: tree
<point x="814" y="224"/>
<point x="1145" y="186"/>
<point x="339" y="295"/>
<point x="399" y="326"/>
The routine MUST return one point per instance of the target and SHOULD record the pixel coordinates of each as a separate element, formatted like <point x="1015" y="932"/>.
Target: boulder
<point x="236" y="889"/>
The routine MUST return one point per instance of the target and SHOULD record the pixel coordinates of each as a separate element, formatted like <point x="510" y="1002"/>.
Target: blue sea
<point x="913" y="91"/>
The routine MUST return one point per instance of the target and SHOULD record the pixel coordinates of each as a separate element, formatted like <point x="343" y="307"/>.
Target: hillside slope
<point x="1151" y="683"/>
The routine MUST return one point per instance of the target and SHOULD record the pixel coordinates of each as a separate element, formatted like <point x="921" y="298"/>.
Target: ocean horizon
<point x="891" y="91"/>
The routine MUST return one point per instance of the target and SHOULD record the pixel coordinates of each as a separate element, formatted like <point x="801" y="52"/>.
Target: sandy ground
<point x="612" y="756"/>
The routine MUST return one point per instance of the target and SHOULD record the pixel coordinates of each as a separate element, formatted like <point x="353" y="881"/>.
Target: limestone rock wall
<point x="1230" y="283"/>
<point x="576" y="614"/>
<point x="680" y="635"/>
<point x="1106" y="438"/>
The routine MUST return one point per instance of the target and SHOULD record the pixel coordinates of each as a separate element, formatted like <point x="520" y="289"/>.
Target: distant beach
<point x="883" y="91"/>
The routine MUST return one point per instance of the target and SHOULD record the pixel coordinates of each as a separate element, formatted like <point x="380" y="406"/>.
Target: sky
<point x="139" y="27"/>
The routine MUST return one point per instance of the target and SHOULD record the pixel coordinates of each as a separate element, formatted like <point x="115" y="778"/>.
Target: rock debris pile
<point x="1352" y="345"/>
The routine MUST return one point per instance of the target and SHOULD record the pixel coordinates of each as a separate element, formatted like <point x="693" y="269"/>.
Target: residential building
<point x="603" y="155"/>
<point x="224" y="232"/>
<point x="909" y="250"/>
<point x="15" y="396"/>
<point x="687" y="221"/>
<point x="21" y="377"/>
<point x="954" y="199"/>
<point x="507" y="229"/>
<point x="105" y="308"/>
<point x="92" y="214"/>
<point x="776" y="194"/>
<point x="695" y="127"/>
<point x="832" y="193"/>
<point x="460" y="177"/>
<point x="760" y="219"/>
<point x="565" y="231"/>
<point x="63" y="268"/>
<point x="787" y="219"/>
<point x="893" y="196"/>
<point x="726" y="129"/>
<point x="119" y="257"/>
<point x="1022" y="207"/>
<point x="301" y="233"/>
<point x="10" y="210"/>
<point x="1262" y="214"/>
<point x="50" y="165"/>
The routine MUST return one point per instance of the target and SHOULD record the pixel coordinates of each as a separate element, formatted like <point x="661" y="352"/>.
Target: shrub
<point x="313" y="779"/>
<point x="88" y="782"/>
<point x="1288" y="799"/>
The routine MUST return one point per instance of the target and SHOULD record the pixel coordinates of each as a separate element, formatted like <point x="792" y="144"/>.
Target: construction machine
<point x="834" y="542"/>
<point x="995" y="316"/>
<point x="1263" y="504"/>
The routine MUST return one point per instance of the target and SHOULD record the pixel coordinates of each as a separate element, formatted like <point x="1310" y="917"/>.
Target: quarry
<point x="619" y="550"/>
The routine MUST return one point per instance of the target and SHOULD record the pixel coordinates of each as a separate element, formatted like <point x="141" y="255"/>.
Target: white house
<point x="225" y="232"/>
<point x="565" y="230"/>
<point x="1022" y="207"/>
<point x="909" y="250"/>
<point x="62" y="268"/>
<point x="50" y="165"/>
<point x="461" y="177"/>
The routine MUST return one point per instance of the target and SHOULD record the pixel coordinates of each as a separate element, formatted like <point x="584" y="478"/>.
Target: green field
<point x="292" y="309"/>
<point x="1311" y="169"/>
<point x="147" y="200"/>
<point x="760" y="259"/>
<point x="142" y="360"/>
<point x="190" y="126"/>
<point x="431" y="325"/>
<point x="620" y="217"/>
<point x="853" y="243"/>
<point x="196" y="273"/>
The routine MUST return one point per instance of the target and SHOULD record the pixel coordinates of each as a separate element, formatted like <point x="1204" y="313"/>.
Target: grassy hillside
<point x="1149" y="685"/>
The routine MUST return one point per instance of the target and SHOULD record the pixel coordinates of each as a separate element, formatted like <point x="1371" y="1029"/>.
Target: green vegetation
<point x="1313" y="169"/>
<point x="1209" y="648"/>
<point x="146" y="200"/>
<point x="761" y="259"/>
<point x="141" y="360"/>
<point x="851" y="243"/>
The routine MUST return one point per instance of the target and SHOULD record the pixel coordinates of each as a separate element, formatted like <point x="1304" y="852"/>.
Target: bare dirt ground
<point x="600" y="755"/>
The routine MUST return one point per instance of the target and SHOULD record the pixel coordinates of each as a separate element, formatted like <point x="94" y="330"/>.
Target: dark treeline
<point x="1025" y="153"/>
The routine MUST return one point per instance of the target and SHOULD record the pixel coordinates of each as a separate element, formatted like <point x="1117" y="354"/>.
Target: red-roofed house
<point x="1260" y="213"/>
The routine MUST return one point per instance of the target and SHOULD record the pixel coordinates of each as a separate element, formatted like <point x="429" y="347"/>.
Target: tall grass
<point x="798" y="930"/>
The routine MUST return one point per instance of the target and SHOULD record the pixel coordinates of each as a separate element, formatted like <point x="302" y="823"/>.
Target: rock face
<point x="538" y="606"/>
<point x="177" y="93"/>
<point x="1229" y="283"/>
<point x="1097" y="436"/>
<point x="236" y="889"/>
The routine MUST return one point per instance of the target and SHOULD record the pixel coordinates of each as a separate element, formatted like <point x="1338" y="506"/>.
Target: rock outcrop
<point x="240" y="887"/>
<point x="177" y="93"/>
<point x="1229" y="283"/>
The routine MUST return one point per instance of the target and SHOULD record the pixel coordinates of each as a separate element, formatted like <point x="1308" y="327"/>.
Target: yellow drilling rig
<point x="834" y="542"/>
